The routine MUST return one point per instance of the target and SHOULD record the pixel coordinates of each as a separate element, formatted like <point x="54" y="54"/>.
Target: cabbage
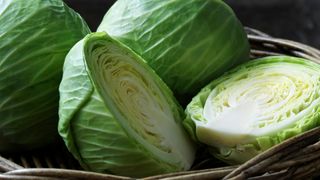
<point x="187" y="43"/>
<point x="35" y="36"/>
<point x="116" y="114"/>
<point x="256" y="106"/>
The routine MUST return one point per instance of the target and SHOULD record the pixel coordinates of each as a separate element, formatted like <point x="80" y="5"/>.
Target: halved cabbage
<point x="35" y="36"/>
<point x="124" y="120"/>
<point x="256" y="106"/>
<point x="188" y="43"/>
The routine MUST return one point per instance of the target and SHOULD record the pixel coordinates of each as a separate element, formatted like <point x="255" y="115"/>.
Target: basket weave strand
<point x="291" y="153"/>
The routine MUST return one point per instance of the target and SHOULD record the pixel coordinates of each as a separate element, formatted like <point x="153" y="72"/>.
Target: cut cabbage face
<point x="133" y="107"/>
<point x="138" y="98"/>
<point x="256" y="106"/>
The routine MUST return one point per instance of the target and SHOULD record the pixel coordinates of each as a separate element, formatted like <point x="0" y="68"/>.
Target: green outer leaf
<point x="75" y="91"/>
<point x="244" y="152"/>
<point x="92" y="134"/>
<point x="188" y="43"/>
<point x="35" y="36"/>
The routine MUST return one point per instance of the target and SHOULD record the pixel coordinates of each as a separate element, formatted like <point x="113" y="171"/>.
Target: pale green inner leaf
<point x="3" y="5"/>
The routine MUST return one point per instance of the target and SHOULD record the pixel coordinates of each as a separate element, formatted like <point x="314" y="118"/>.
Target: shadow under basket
<point x="295" y="158"/>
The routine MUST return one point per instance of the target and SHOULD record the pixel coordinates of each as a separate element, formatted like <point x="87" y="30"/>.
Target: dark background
<point x="297" y="20"/>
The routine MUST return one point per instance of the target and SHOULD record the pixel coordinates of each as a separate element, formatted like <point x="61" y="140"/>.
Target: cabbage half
<point x="187" y="43"/>
<point x="256" y="106"/>
<point x="116" y="114"/>
<point x="35" y="36"/>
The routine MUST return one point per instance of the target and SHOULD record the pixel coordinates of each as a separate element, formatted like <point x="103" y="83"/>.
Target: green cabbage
<point x="256" y="106"/>
<point x="35" y="36"/>
<point x="188" y="43"/>
<point x="116" y="114"/>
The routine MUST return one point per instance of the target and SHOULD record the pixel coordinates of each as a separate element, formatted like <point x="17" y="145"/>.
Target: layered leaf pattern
<point x="256" y="106"/>
<point x="116" y="114"/>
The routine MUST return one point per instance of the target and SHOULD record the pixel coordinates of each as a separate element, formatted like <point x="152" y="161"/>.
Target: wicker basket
<point x="296" y="158"/>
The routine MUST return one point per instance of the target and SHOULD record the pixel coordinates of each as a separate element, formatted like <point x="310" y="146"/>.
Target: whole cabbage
<point x="187" y="43"/>
<point x="35" y="36"/>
